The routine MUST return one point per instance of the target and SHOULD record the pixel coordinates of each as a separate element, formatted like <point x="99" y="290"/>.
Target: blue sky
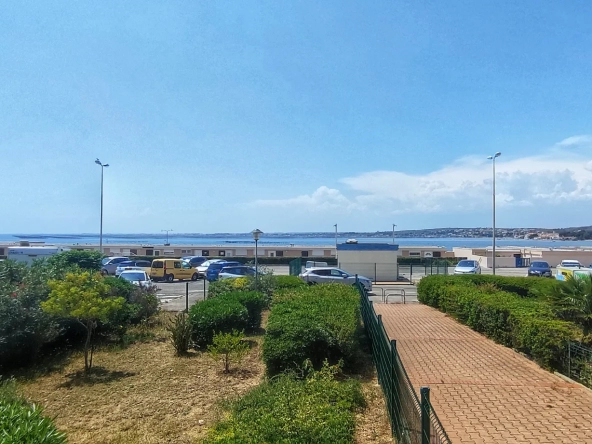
<point x="293" y="116"/>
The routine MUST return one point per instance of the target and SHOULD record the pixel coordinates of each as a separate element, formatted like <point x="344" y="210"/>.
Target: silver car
<point x="326" y="275"/>
<point x="109" y="264"/>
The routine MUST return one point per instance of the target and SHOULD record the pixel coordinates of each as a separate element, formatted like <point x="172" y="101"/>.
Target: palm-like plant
<point x="573" y="301"/>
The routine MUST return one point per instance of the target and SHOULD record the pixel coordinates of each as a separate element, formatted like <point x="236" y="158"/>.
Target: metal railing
<point x="578" y="363"/>
<point x="413" y="419"/>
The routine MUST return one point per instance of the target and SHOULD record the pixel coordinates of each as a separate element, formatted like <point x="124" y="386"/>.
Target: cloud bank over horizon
<point x="556" y="178"/>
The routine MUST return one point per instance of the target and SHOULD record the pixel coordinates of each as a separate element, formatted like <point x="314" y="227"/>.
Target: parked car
<point x="214" y="269"/>
<point x="170" y="269"/>
<point x="325" y="275"/>
<point x="236" y="271"/>
<point x="109" y="264"/>
<point x="201" y="269"/>
<point x="540" y="269"/>
<point x="137" y="277"/>
<point x="570" y="263"/>
<point x="194" y="261"/>
<point x="467" y="266"/>
<point x="133" y="265"/>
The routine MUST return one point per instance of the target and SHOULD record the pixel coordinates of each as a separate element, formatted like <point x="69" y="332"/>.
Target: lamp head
<point x="98" y="162"/>
<point x="256" y="233"/>
<point x="497" y="154"/>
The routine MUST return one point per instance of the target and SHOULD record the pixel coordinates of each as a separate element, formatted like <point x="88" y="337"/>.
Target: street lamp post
<point x="492" y="158"/>
<point x="394" y="225"/>
<point x="335" y="240"/>
<point x="103" y="166"/>
<point x="167" y="236"/>
<point x="256" y="234"/>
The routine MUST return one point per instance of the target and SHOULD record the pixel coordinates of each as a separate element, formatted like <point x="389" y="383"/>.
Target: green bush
<point x="291" y="411"/>
<point x="526" y="324"/>
<point x="180" y="330"/>
<point x="85" y="260"/>
<point x="289" y="282"/>
<point x="217" y="315"/>
<point x="24" y="423"/>
<point x="316" y="323"/>
<point x="254" y="302"/>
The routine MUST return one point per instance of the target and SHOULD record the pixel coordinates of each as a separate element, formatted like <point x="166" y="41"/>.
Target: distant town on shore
<point x="571" y="233"/>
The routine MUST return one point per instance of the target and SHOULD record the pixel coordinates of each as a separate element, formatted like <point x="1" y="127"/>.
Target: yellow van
<point x="170" y="269"/>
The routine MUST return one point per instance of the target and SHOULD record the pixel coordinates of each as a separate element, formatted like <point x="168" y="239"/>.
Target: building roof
<point x="367" y="247"/>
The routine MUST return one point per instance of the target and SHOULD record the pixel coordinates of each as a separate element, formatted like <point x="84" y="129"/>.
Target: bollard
<point x="186" y="297"/>
<point x="204" y="281"/>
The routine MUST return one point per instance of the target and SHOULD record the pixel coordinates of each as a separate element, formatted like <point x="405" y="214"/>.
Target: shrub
<point x="217" y="315"/>
<point x="180" y="329"/>
<point x="291" y="411"/>
<point x="84" y="260"/>
<point x="289" y="282"/>
<point x="229" y="346"/>
<point x="317" y="323"/>
<point x="526" y="324"/>
<point x="21" y="422"/>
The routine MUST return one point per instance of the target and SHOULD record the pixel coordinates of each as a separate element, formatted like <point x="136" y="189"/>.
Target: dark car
<point x="194" y="261"/>
<point x="236" y="271"/>
<point x="214" y="269"/>
<point x="539" y="269"/>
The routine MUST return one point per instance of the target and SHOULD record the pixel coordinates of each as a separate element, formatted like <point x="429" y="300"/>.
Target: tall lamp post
<point x="335" y="240"/>
<point x="394" y="225"/>
<point x="167" y="236"/>
<point x="103" y="166"/>
<point x="256" y="234"/>
<point x="492" y="158"/>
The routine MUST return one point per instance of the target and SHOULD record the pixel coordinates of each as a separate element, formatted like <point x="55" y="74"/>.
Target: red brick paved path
<point x="484" y="392"/>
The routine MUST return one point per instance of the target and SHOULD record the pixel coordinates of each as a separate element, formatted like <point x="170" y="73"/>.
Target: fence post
<point x="375" y="272"/>
<point x="425" y="415"/>
<point x="204" y="281"/>
<point x="395" y="413"/>
<point x="186" y="297"/>
<point x="569" y="359"/>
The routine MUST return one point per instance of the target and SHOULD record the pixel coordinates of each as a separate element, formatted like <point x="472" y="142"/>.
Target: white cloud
<point x="576" y="141"/>
<point x="559" y="175"/>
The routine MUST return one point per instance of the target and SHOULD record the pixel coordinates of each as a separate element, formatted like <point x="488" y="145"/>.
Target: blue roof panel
<point x="367" y="247"/>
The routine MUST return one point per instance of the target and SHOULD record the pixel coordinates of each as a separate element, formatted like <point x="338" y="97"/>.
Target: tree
<point x="84" y="297"/>
<point x="85" y="260"/>
<point x="573" y="301"/>
<point x="230" y="347"/>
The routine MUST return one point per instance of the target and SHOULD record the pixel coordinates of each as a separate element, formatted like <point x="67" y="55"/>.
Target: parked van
<point x="313" y="264"/>
<point x="170" y="269"/>
<point x="29" y="254"/>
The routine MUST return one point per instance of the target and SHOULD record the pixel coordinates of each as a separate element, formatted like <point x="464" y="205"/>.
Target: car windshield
<point x="570" y="263"/>
<point x="134" y="276"/>
<point x="105" y="260"/>
<point x="539" y="265"/>
<point x="126" y="263"/>
<point x="466" y="264"/>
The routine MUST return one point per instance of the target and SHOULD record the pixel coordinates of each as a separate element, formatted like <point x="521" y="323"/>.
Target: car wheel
<point x="194" y="277"/>
<point x="311" y="283"/>
<point x="104" y="272"/>
<point x="169" y="278"/>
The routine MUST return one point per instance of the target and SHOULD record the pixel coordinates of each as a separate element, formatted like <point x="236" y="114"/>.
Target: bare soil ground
<point x="144" y="394"/>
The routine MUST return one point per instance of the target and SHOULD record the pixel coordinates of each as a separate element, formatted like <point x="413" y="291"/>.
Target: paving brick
<point x="483" y="391"/>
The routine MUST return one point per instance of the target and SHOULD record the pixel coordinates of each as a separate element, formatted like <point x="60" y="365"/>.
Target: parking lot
<point x="174" y="296"/>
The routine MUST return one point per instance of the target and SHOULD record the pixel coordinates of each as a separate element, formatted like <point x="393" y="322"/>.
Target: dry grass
<point x="144" y="394"/>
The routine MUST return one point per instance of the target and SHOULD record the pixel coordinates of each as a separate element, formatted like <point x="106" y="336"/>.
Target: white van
<point x="313" y="264"/>
<point x="29" y="254"/>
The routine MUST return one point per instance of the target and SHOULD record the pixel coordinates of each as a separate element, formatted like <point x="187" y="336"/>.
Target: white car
<point x="137" y="277"/>
<point x="133" y="265"/>
<point x="570" y="263"/>
<point x="201" y="269"/>
<point x="325" y="275"/>
<point x="467" y="267"/>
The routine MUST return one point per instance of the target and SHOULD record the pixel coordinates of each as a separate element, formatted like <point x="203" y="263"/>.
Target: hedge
<point x="290" y="411"/>
<point x="238" y="310"/>
<point x="216" y="315"/>
<point x="528" y="325"/>
<point x="317" y="323"/>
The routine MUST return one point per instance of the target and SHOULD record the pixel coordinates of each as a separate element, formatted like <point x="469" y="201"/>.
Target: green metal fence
<point x="295" y="266"/>
<point x="578" y="363"/>
<point x="413" y="419"/>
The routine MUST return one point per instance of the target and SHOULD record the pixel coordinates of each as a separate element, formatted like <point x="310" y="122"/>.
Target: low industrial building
<point x="510" y="257"/>
<point x="372" y="260"/>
